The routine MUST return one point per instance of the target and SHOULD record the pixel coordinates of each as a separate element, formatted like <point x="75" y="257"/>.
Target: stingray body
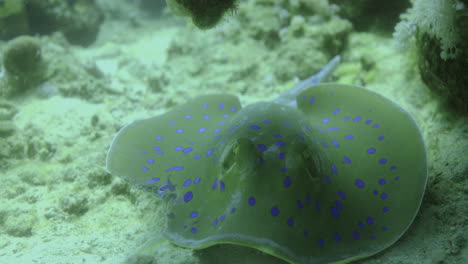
<point x="325" y="173"/>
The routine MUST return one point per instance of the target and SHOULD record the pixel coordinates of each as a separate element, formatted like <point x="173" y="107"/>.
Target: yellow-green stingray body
<point x="325" y="173"/>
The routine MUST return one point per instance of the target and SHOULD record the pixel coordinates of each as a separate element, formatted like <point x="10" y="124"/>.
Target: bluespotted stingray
<point x="325" y="173"/>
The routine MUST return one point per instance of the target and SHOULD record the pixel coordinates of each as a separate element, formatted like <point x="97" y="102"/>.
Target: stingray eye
<point x="241" y="154"/>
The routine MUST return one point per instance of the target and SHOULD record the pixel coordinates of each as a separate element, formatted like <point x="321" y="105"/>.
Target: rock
<point x="23" y="64"/>
<point x="78" y="20"/>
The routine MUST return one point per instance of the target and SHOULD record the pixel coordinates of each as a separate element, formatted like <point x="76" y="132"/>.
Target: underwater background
<point x="75" y="72"/>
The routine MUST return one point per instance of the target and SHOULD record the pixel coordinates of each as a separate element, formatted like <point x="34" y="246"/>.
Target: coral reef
<point x="367" y="14"/>
<point x="439" y="28"/>
<point x="205" y="14"/>
<point x="23" y="65"/>
<point x="78" y="20"/>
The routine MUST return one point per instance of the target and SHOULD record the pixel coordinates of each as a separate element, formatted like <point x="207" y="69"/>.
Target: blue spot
<point x="176" y="168"/>
<point x="158" y="138"/>
<point x="383" y="161"/>
<point x="262" y="147"/>
<point x="317" y="205"/>
<point x="160" y="152"/>
<point x="373" y="238"/>
<point x="215" y="222"/>
<point x="290" y="221"/>
<point x="299" y="204"/>
<point x="156" y="148"/>
<point x="153" y="180"/>
<point x="385" y="209"/>
<point x="193" y="230"/>
<point x="187" y="183"/>
<point x="306" y="233"/>
<point x="371" y="150"/>
<point x="178" y="148"/>
<point x="370" y="220"/>
<point x="209" y="152"/>
<point x="266" y="121"/>
<point x="251" y="201"/>
<point x="143" y="152"/>
<point x="384" y="228"/>
<point x="150" y="160"/>
<point x="346" y="118"/>
<point x="221" y="106"/>
<point x="188" y="116"/>
<point x="201" y="130"/>
<point x="339" y="205"/>
<point x="283" y="169"/>
<point x="222" y="218"/>
<point x="356" y="235"/>
<point x="277" y="135"/>
<point x="357" y="118"/>
<point x="205" y="105"/>
<point x="384" y="196"/>
<point x="171" y="123"/>
<point x="376" y="126"/>
<point x="222" y="186"/>
<point x="233" y="109"/>
<point x="333" y="168"/>
<point x="337" y="237"/>
<point x="300" y="136"/>
<point x="321" y="243"/>
<point x="325" y="120"/>
<point x="280" y="143"/>
<point x="206" y="117"/>
<point x="325" y="144"/>
<point x="359" y="183"/>
<point x="368" y="122"/>
<point x="287" y="182"/>
<point x="335" y="212"/>
<point x="188" y="196"/>
<point x="361" y="225"/>
<point x="226" y="116"/>
<point x="144" y="168"/>
<point x="336" y="111"/>
<point x="254" y="127"/>
<point x="307" y="199"/>
<point x="180" y="131"/>
<point x="308" y="128"/>
<point x="194" y="214"/>
<point x="233" y="210"/>
<point x="281" y="156"/>
<point x="392" y="167"/>
<point x="342" y="195"/>
<point x="287" y="123"/>
<point x="197" y="156"/>
<point x="335" y="143"/>
<point x="349" y="137"/>
<point x="312" y="99"/>
<point x="382" y="181"/>
<point x="275" y="211"/>
<point x="334" y="128"/>
<point x="187" y="150"/>
<point x="346" y="160"/>
<point x="197" y="180"/>
<point x="216" y="130"/>
<point x="327" y="179"/>
<point x="215" y="184"/>
<point x="381" y="138"/>
<point x="375" y="192"/>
